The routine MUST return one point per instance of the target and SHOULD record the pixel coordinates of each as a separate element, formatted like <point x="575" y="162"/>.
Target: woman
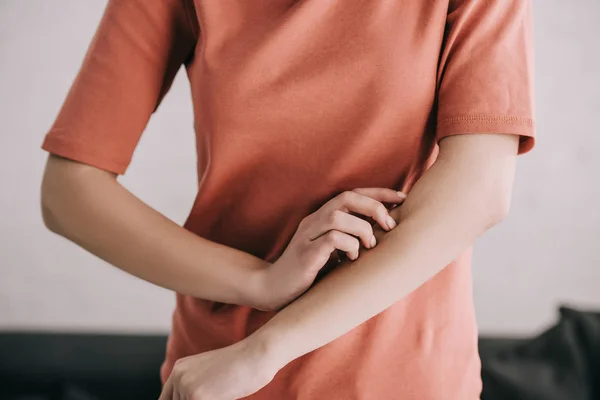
<point x="309" y="117"/>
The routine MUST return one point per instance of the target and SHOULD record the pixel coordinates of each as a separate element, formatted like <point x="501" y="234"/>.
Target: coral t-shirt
<point x="295" y="102"/>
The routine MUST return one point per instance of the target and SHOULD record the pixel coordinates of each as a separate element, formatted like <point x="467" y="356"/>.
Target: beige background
<point x="544" y="254"/>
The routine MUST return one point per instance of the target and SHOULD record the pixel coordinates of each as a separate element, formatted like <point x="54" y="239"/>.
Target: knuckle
<point x="331" y="238"/>
<point x="347" y="195"/>
<point x="335" y="217"/>
<point x="177" y="368"/>
<point x="304" y="222"/>
<point x="179" y="372"/>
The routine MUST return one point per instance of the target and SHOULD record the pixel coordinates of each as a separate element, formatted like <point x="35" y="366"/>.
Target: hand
<point x="394" y="212"/>
<point x="331" y="228"/>
<point x="228" y="373"/>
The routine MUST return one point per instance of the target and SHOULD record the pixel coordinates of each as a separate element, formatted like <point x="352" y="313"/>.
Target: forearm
<point x="90" y="208"/>
<point x="453" y="203"/>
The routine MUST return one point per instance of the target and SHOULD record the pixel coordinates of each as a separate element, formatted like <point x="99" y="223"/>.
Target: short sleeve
<point x="136" y="51"/>
<point x="485" y="76"/>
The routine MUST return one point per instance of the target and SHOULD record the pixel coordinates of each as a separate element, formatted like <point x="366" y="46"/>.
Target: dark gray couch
<point x="562" y="363"/>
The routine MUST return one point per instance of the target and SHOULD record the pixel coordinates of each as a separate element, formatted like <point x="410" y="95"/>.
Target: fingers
<point x="176" y="395"/>
<point x="356" y="201"/>
<point x="334" y="228"/>
<point x="332" y="240"/>
<point x="167" y="392"/>
<point x="345" y="223"/>
<point x="383" y="195"/>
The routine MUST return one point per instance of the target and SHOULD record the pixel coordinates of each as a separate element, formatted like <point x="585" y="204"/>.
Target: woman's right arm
<point x="130" y="63"/>
<point x="90" y="207"/>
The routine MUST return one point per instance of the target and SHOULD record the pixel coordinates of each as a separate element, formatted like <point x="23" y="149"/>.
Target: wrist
<point x="269" y="349"/>
<point x="254" y="287"/>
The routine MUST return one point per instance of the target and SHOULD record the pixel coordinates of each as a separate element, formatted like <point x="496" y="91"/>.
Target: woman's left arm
<point x="464" y="193"/>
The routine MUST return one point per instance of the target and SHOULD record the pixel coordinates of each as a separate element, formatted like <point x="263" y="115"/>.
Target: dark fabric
<point x="559" y="364"/>
<point x="562" y="363"/>
<point x="61" y="366"/>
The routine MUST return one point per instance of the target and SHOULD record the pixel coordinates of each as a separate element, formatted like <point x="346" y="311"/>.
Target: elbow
<point x="62" y="192"/>
<point x="49" y="218"/>
<point x="54" y="192"/>
<point x="496" y="207"/>
<point x="48" y="209"/>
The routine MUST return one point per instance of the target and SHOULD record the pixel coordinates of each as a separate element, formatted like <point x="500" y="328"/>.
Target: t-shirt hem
<point x="77" y="152"/>
<point x="485" y="123"/>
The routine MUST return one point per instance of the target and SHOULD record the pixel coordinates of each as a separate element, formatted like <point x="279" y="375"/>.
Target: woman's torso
<point x="295" y="102"/>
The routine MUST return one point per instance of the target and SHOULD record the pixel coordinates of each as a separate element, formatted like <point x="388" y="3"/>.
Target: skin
<point x="466" y="192"/>
<point x="91" y="208"/>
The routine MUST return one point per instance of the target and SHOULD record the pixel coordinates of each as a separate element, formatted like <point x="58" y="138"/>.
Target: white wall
<point x="544" y="254"/>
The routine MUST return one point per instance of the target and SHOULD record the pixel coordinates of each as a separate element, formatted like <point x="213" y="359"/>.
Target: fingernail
<point x="390" y="222"/>
<point x="373" y="241"/>
<point x="401" y="194"/>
